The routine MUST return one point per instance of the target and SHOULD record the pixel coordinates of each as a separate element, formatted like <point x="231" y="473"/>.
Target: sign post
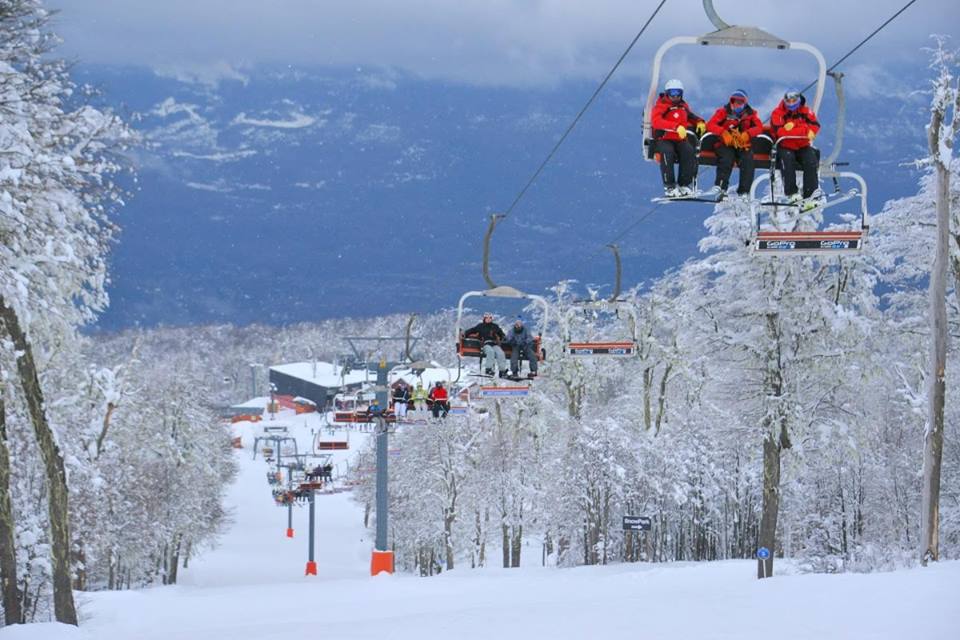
<point x="763" y="556"/>
<point x="632" y="524"/>
<point x="637" y="523"/>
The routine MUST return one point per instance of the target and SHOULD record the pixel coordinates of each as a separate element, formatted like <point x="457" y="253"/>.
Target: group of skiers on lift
<point x="521" y="341"/>
<point x="793" y="126"/>
<point x="437" y="400"/>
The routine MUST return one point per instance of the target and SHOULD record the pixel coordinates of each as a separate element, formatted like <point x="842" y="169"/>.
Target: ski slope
<point x="252" y="587"/>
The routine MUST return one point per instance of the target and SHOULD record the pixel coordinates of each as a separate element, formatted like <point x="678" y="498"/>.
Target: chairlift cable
<point x="863" y="42"/>
<point x="603" y="83"/>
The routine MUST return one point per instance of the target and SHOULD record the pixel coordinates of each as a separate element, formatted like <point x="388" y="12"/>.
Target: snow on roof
<point x="324" y="374"/>
<point x="255" y="403"/>
<point x="430" y="376"/>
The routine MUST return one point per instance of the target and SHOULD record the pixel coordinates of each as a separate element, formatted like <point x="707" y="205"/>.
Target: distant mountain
<point x="295" y="194"/>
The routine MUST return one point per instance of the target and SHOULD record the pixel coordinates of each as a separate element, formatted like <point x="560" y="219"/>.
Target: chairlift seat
<point x="473" y="348"/>
<point x="332" y="445"/>
<point x="512" y="391"/>
<point x="361" y="417"/>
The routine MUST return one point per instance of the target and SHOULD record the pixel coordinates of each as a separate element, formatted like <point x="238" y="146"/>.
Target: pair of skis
<point x="803" y="205"/>
<point x="824" y="202"/>
<point x="510" y="377"/>
<point x="696" y="196"/>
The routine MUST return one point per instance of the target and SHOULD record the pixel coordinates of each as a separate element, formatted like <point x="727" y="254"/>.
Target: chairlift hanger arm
<point x="729" y="36"/>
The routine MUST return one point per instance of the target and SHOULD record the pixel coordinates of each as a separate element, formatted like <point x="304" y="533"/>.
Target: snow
<point x="326" y="374"/>
<point x="254" y="403"/>
<point x="253" y="587"/>
<point x="429" y="377"/>
<point x="297" y="121"/>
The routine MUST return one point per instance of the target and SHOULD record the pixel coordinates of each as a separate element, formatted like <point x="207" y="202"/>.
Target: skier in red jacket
<point x="793" y="120"/>
<point x="439" y="401"/>
<point x="671" y="119"/>
<point x="735" y="124"/>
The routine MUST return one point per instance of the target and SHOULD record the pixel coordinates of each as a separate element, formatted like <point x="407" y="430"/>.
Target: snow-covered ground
<point x="253" y="587"/>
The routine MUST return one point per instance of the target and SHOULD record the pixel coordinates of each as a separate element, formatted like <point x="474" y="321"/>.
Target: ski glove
<point x="701" y="128"/>
<point x="682" y="132"/>
<point x="811" y="135"/>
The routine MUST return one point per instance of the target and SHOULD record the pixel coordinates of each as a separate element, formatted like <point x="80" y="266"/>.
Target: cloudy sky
<point x="509" y="42"/>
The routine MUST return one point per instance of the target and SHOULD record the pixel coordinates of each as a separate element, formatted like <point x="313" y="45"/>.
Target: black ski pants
<point x="807" y="159"/>
<point x="725" y="158"/>
<point x="672" y="150"/>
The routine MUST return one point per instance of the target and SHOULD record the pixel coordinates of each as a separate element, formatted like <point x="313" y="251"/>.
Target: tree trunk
<point x="172" y="569"/>
<point x="515" y="545"/>
<point x="64" y="608"/>
<point x="647" y="411"/>
<point x="936" y="376"/>
<point x="505" y="541"/>
<point x="771" y="504"/>
<point x="12" y="613"/>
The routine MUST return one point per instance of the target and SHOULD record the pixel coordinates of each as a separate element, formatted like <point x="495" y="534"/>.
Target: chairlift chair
<point x="473" y="348"/>
<point x="612" y="349"/>
<point x="725" y="36"/>
<point x="836" y="239"/>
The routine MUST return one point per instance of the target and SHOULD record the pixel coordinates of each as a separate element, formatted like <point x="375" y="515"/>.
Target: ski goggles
<point x="791" y="97"/>
<point x="738" y="100"/>
<point x="675" y="93"/>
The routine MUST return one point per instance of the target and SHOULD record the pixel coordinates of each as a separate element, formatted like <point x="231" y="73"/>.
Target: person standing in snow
<point x="735" y="124"/>
<point x="672" y="120"/>
<point x="522" y="346"/>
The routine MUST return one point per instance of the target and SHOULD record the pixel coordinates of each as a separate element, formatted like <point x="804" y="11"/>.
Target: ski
<point x="696" y="197"/>
<point x="826" y="204"/>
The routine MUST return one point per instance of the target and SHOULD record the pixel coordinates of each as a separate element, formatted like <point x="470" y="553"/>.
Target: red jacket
<point x="438" y="394"/>
<point x="668" y="115"/>
<point x="725" y="119"/>
<point x="804" y="121"/>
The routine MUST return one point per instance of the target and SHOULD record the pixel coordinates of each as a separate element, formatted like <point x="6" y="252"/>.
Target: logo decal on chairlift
<point x="781" y="244"/>
<point x="834" y="244"/>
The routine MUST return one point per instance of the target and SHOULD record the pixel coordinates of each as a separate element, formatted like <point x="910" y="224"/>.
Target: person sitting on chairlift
<point x="670" y="119"/>
<point x="401" y="397"/>
<point x="735" y="124"/>
<point x="419" y="397"/>
<point x="796" y="126"/>
<point x="524" y="346"/>
<point x="490" y="335"/>
<point x="439" y="401"/>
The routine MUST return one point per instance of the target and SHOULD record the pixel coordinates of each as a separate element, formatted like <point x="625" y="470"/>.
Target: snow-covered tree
<point x="56" y="163"/>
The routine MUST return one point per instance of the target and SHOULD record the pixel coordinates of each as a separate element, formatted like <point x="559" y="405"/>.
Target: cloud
<point x="502" y="42"/>
<point x="296" y="121"/>
<point x="206" y="73"/>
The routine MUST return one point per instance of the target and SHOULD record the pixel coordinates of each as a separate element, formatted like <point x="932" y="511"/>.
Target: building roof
<point x="324" y="374"/>
<point x="430" y="376"/>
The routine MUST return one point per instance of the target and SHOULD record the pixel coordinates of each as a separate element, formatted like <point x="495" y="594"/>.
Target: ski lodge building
<point x="316" y="381"/>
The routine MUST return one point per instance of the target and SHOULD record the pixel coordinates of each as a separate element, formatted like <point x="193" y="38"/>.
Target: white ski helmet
<point x="673" y="84"/>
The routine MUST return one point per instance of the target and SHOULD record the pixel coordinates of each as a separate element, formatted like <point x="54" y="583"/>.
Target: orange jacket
<point x="726" y="119"/>
<point x="804" y="121"/>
